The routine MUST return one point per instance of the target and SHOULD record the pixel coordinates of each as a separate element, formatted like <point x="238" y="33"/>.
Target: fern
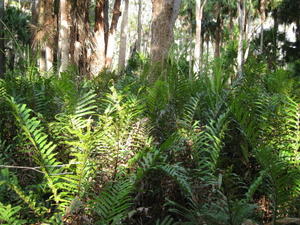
<point x="166" y="221"/>
<point x="113" y="204"/>
<point x="209" y="144"/>
<point x="11" y="181"/>
<point x="9" y="215"/>
<point x="43" y="150"/>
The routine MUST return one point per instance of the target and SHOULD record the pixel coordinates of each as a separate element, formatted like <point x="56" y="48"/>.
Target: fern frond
<point x="43" y="149"/>
<point x="179" y="174"/>
<point x="9" y="215"/>
<point x="113" y="204"/>
<point x="190" y="110"/>
<point x="166" y="221"/>
<point x="12" y="182"/>
<point x="209" y="144"/>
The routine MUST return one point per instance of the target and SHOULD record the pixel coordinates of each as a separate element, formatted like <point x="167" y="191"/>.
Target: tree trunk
<point x="64" y="35"/>
<point x="198" y="47"/>
<point x="240" y="55"/>
<point x="98" y="57"/>
<point x="123" y="41"/>
<point x="218" y="38"/>
<point x="104" y="36"/>
<point x="111" y="34"/>
<point x="139" y="27"/>
<point x="275" y="16"/>
<point x="163" y="20"/>
<point x="2" y="41"/>
<point x="262" y="21"/>
<point x="79" y="35"/>
<point x="44" y="32"/>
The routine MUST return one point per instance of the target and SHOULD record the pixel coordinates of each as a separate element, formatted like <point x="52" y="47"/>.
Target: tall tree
<point x="139" y="27"/>
<point x="104" y="37"/>
<point x="198" y="43"/>
<point x="123" y="41"/>
<point x="242" y="22"/>
<point x="44" y="31"/>
<point x="112" y="32"/>
<point x="79" y="35"/>
<point x="98" y="57"/>
<point x="64" y="35"/>
<point x="262" y="10"/>
<point x="2" y="41"/>
<point x="164" y="15"/>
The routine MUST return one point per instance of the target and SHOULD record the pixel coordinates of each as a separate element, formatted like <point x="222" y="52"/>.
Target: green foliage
<point x="113" y="204"/>
<point x="9" y="215"/>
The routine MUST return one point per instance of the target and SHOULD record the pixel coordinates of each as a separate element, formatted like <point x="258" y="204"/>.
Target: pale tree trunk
<point x="64" y="35"/>
<point x="164" y="14"/>
<point x="98" y="57"/>
<point x="263" y="19"/>
<point x="198" y="47"/>
<point x="139" y="27"/>
<point x="241" y="18"/>
<point x="123" y="41"/>
<point x="40" y="22"/>
<point x="112" y="32"/>
<point x="2" y="42"/>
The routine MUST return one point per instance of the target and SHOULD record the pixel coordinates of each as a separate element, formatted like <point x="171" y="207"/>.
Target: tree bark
<point x="79" y="35"/>
<point x="44" y="34"/>
<point x="64" y="35"/>
<point x="139" y="27"/>
<point x="2" y="41"/>
<point x="198" y="47"/>
<point x="240" y="55"/>
<point x="111" y="34"/>
<point x="104" y="36"/>
<point x="98" y="57"/>
<point x="123" y="41"/>
<point x="218" y="37"/>
<point x="163" y="20"/>
<point x="262" y="21"/>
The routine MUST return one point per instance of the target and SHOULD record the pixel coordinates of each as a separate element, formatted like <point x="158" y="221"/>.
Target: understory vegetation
<point x="186" y="113"/>
<point x="208" y="149"/>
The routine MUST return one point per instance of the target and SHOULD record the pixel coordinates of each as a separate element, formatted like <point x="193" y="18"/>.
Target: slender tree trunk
<point x="198" y="47"/>
<point x="64" y="35"/>
<point x="218" y="32"/>
<point x="139" y="27"/>
<point x="262" y="21"/>
<point x="275" y="16"/>
<point x="2" y="41"/>
<point x="112" y="32"/>
<point x="123" y="41"/>
<point x="218" y="38"/>
<point x="106" y="24"/>
<point x="241" y="18"/>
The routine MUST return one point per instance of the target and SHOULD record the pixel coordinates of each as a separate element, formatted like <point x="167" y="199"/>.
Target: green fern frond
<point x="209" y="144"/>
<point x="11" y="181"/>
<point x="166" y="221"/>
<point x="190" y="110"/>
<point x="43" y="149"/>
<point x="113" y="204"/>
<point x="9" y="215"/>
<point x="179" y="174"/>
